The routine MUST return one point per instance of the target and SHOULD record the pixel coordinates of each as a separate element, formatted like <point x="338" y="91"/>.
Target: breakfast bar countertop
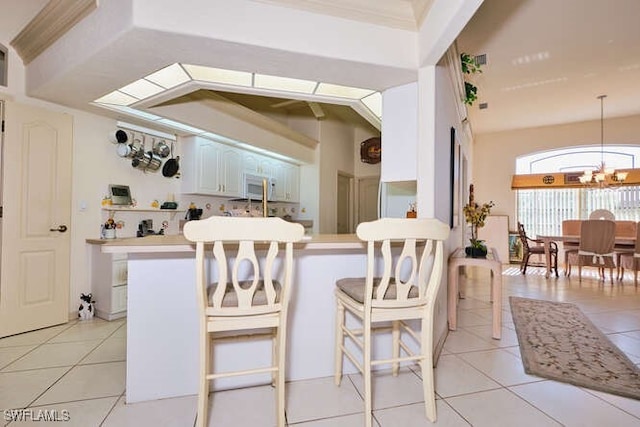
<point x="178" y="243"/>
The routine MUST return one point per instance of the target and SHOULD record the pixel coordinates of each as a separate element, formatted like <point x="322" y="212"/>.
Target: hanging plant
<point x="469" y="66"/>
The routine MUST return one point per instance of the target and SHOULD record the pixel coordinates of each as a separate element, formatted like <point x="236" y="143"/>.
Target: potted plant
<point x="469" y="66"/>
<point x="475" y="216"/>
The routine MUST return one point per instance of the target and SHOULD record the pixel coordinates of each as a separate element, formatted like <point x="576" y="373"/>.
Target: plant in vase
<point x="475" y="216"/>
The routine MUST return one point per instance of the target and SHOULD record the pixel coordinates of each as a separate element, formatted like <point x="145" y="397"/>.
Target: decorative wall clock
<point x="371" y="150"/>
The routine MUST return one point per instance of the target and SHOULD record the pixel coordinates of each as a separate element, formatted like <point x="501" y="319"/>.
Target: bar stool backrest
<point x="413" y="277"/>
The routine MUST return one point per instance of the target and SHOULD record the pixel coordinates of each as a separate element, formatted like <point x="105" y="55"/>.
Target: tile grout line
<point x="65" y="373"/>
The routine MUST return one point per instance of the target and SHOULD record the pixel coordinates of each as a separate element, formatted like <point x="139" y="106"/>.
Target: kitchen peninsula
<point x="162" y="323"/>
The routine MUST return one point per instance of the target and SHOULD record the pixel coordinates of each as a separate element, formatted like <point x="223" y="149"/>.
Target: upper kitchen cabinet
<point x="211" y="168"/>
<point x="287" y="178"/>
<point x="259" y="165"/>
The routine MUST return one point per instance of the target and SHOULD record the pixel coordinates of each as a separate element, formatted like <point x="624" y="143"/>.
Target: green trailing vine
<point x="469" y="66"/>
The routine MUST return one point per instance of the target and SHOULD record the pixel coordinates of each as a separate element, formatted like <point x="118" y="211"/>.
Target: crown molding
<point x="52" y="22"/>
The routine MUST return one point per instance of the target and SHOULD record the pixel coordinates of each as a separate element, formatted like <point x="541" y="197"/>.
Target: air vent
<point x="483" y="105"/>
<point x="481" y="59"/>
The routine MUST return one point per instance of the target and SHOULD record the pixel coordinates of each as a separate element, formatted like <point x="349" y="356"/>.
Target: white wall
<point x="446" y="117"/>
<point x="495" y="154"/>
<point x="336" y="154"/>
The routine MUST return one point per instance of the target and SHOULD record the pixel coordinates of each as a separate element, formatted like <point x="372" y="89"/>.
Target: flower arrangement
<point x="475" y="215"/>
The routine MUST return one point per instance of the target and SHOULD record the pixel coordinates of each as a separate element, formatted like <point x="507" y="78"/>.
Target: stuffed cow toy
<point x="86" y="309"/>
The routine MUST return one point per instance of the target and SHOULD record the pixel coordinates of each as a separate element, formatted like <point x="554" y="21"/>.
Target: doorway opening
<point x="344" y="195"/>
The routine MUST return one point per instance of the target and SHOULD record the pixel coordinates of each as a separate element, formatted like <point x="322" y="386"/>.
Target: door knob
<point x="61" y="228"/>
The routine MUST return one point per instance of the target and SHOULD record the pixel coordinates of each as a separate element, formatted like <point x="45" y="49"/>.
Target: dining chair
<point x="251" y="292"/>
<point x="602" y="214"/>
<point x="535" y="247"/>
<point x="395" y="289"/>
<point x="570" y="227"/>
<point x="631" y="260"/>
<point x="624" y="230"/>
<point x="596" y="249"/>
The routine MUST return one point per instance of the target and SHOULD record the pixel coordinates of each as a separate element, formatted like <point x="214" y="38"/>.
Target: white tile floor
<point x="80" y="368"/>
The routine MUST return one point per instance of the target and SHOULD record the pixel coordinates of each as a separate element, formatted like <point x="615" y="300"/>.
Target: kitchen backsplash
<point x="221" y="206"/>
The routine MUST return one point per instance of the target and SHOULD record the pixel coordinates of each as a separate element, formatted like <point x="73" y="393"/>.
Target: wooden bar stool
<point x="247" y="296"/>
<point x="406" y="289"/>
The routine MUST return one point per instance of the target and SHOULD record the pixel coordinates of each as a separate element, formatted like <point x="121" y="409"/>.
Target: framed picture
<point x="454" y="180"/>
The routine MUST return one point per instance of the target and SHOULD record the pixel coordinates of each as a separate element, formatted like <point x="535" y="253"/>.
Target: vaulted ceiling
<point x="547" y="60"/>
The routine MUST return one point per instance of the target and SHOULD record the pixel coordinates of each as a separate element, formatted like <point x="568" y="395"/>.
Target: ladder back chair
<point x="251" y="292"/>
<point x="406" y="289"/>
<point x="570" y="227"/>
<point x="631" y="260"/>
<point x="597" y="240"/>
<point x="535" y="247"/>
<point x="624" y="229"/>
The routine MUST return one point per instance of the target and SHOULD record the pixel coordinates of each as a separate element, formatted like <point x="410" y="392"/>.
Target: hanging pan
<point x="171" y="166"/>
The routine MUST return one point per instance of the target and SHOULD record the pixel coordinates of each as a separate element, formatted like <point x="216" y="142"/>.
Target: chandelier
<point x="603" y="176"/>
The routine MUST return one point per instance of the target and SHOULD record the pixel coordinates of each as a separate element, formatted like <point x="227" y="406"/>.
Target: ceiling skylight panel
<point x="342" y="91"/>
<point x="374" y="103"/>
<point x="116" y="98"/>
<point x="169" y="77"/>
<point x="142" y="89"/>
<point x="263" y="81"/>
<point x="218" y="75"/>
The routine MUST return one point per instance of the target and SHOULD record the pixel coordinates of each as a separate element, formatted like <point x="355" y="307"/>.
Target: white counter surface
<point x="178" y="243"/>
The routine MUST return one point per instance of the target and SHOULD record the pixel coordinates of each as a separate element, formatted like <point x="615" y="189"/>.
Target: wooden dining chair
<point x="395" y="289"/>
<point x="597" y="240"/>
<point x="251" y="292"/>
<point x="631" y="260"/>
<point x="535" y="247"/>
<point x="570" y="227"/>
<point x="624" y="230"/>
<point x="602" y="214"/>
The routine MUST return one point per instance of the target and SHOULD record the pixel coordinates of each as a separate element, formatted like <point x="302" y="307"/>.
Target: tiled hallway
<point x="80" y="368"/>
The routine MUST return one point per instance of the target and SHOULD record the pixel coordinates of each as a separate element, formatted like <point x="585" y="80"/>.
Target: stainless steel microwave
<point x="253" y="186"/>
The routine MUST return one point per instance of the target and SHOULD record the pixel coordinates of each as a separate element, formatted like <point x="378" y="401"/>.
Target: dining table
<point x="622" y="241"/>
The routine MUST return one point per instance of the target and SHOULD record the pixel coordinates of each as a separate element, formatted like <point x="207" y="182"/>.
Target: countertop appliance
<point x="253" y="185"/>
<point x="120" y="194"/>
<point x="145" y="228"/>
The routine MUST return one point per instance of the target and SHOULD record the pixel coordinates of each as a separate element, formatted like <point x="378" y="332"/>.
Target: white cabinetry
<point x="287" y="182"/>
<point x="217" y="169"/>
<point x="211" y="168"/>
<point x="109" y="284"/>
<point x="259" y="165"/>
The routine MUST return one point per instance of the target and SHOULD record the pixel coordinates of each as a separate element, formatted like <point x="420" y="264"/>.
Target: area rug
<point x="557" y="341"/>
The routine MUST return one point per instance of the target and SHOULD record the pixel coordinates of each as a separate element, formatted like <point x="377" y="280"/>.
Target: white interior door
<point x="36" y="181"/>
<point x="368" y="199"/>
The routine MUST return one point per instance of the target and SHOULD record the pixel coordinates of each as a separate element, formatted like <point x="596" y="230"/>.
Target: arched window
<point x="543" y="210"/>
